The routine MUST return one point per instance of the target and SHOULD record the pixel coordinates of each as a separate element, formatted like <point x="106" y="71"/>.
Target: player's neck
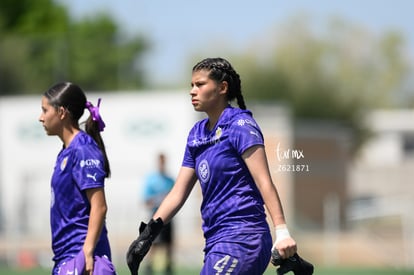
<point x="213" y="117"/>
<point x="68" y="135"/>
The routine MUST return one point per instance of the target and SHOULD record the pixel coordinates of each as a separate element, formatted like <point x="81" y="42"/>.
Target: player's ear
<point x="224" y="85"/>
<point x="62" y="112"/>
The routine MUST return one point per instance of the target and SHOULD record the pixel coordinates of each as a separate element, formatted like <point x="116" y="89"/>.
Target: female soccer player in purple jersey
<point x="225" y="153"/>
<point x="78" y="205"/>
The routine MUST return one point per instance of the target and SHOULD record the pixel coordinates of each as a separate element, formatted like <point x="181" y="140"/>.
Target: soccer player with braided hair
<point x="78" y="206"/>
<point x="225" y="153"/>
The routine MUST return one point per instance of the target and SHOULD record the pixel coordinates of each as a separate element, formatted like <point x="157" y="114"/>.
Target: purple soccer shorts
<point x="248" y="255"/>
<point x="76" y="266"/>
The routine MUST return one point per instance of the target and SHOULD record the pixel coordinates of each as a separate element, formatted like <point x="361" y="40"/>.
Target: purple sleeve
<point x="188" y="160"/>
<point x="88" y="171"/>
<point x="245" y="133"/>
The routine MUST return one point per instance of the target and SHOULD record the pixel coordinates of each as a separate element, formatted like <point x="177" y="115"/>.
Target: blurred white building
<point x="381" y="185"/>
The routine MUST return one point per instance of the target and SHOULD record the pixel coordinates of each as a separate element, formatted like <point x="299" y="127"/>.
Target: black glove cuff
<point x="152" y="229"/>
<point x="156" y="226"/>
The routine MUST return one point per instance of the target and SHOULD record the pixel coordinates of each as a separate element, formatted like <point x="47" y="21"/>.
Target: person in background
<point x="78" y="206"/>
<point x="156" y="187"/>
<point x="225" y="153"/>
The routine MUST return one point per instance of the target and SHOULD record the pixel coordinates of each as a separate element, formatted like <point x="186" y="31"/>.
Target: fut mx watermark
<point x="284" y="155"/>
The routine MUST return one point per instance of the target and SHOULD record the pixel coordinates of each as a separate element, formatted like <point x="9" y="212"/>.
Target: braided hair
<point x="221" y="70"/>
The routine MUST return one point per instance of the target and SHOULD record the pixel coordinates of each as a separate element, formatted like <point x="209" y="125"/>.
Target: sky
<point x="182" y="28"/>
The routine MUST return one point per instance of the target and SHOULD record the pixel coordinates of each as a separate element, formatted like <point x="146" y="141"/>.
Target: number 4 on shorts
<point x="225" y="265"/>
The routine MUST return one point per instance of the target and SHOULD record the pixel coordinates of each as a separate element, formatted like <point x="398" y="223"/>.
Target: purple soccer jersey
<point x="231" y="200"/>
<point x="78" y="167"/>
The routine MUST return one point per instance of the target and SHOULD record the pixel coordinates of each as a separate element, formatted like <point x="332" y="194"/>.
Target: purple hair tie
<point x="95" y="114"/>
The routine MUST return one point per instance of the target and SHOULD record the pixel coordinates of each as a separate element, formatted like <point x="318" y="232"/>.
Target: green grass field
<point x="318" y="271"/>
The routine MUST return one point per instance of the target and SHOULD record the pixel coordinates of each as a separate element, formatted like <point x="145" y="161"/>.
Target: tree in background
<point x="40" y="45"/>
<point x="100" y="59"/>
<point x="336" y="77"/>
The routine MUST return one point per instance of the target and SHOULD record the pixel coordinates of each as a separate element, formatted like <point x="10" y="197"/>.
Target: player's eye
<point x="199" y="83"/>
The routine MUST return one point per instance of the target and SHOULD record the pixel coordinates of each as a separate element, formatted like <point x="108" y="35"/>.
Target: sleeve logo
<point x="90" y="163"/>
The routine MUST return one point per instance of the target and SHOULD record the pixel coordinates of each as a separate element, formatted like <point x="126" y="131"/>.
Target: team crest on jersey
<point x="219" y="132"/>
<point x="204" y="171"/>
<point x="63" y="163"/>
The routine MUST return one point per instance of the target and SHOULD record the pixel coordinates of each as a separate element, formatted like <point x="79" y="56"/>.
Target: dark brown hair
<point x="221" y="70"/>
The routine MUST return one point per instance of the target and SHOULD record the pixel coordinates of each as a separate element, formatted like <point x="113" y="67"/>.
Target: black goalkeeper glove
<point x="140" y="247"/>
<point x="295" y="264"/>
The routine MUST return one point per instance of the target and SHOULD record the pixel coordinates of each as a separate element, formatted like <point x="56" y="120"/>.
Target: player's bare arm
<point x="96" y="197"/>
<point x="256" y="161"/>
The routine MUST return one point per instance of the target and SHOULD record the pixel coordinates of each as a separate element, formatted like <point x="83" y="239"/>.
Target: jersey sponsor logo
<point x="204" y="171"/>
<point x="209" y="140"/>
<point x="91" y="176"/>
<point x="90" y="163"/>
<point x="255" y="133"/>
<point x="242" y="122"/>
<point x="63" y="163"/>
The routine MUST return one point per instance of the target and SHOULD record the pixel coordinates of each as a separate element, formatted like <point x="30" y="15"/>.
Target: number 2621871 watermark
<point x="293" y="168"/>
<point x="290" y="154"/>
